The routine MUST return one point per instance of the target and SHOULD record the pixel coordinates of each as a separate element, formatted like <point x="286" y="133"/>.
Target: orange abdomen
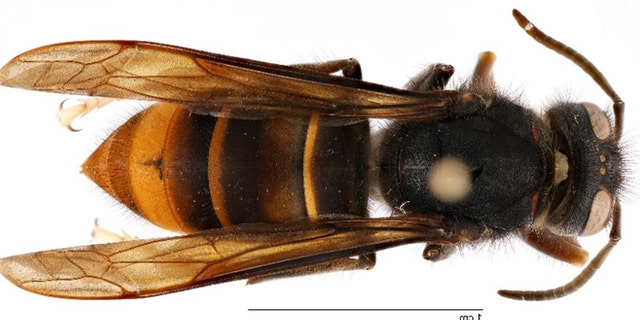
<point x="187" y="172"/>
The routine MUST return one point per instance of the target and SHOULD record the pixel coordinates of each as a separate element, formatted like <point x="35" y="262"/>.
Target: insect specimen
<point x="268" y="169"/>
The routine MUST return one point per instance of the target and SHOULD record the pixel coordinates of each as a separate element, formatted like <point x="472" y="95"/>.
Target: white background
<point x="47" y="204"/>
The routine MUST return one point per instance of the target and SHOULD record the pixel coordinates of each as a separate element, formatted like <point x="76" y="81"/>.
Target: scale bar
<point x="365" y="309"/>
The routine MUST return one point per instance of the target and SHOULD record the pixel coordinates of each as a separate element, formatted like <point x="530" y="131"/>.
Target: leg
<point x="434" y="77"/>
<point x="363" y="262"/>
<point x="562" y="248"/>
<point x="102" y="235"/>
<point x="438" y="252"/>
<point x="81" y="107"/>
<point x="350" y="68"/>
<point x="482" y="80"/>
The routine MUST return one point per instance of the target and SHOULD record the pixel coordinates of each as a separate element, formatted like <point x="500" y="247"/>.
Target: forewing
<point x="210" y="83"/>
<point x="149" y="267"/>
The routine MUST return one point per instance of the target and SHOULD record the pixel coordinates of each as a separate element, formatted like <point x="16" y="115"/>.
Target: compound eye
<point x="601" y="210"/>
<point x="599" y="121"/>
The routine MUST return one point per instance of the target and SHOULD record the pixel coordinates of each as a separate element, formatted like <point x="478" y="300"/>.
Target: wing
<point x="142" y="268"/>
<point x="210" y="83"/>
